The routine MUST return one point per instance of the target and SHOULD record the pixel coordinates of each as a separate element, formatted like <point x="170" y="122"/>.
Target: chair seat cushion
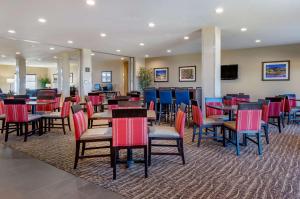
<point x="230" y="124"/>
<point x="52" y="115"/>
<point x="32" y="117"/>
<point x="211" y="121"/>
<point x="163" y="132"/>
<point x="219" y="117"/>
<point x="98" y="115"/>
<point x="97" y="133"/>
<point x="2" y="116"/>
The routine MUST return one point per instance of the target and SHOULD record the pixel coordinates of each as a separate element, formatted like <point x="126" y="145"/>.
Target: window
<point x="106" y="76"/>
<point x="31" y="81"/>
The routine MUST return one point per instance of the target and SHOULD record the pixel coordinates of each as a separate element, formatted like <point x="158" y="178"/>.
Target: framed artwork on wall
<point x="55" y="78"/>
<point x="187" y="73"/>
<point x="106" y="76"/>
<point x="161" y="74"/>
<point x="276" y="71"/>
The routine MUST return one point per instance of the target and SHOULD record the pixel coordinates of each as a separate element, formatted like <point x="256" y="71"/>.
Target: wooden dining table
<point x="226" y="108"/>
<point x="33" y="105"/>
<point x="107" y="115"/>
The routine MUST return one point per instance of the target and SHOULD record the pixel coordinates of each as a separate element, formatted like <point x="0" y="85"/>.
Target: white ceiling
<point x="274" y="22"/>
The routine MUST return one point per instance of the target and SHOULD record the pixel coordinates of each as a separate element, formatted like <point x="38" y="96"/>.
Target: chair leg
<point x="63" y="125"/>
<point x="149" y="151"/>
<point x="279" y="124"/>
<point x="115" y="163"/>
<point x="200" y="135"/>
<point x="92" y="123"/>
<point x="266" y="129"/>
<point x="111" y="154"/>
<point x="194" y="132"/>
<point x="3" y="126"/>
<point x="77" y="154"/>
<point x="159" y="116"/>
<point x="146" y="161"/>
<point x="237" y="141"/>
<point x="6" y="132"/>
<point x="89" y="123"/>
<point x="83" y="148"/>
<point x="26" y="132"/>
<point x="224" y="136"/>
<point x="283" y="118"/>
<point x="259" y="143"/>
<point x="69" y="124"/>
<point x="181" y="149"/>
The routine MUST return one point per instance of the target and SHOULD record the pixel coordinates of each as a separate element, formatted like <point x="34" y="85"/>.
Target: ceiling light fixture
<point x="169" y="51"/>
<point x="244" y="29"/>
<point x="219" y="10"/>
<point x="151" y="25"/>
<point x="118" y="50"/>
<point x="90" y="2"/>
<point x="70" y="42"/>
<point x="11" y="31"/>
<point x="42" y="20"/>
<point x="3" y="56"/>
<point x="146" y="56"/>
<point x="122" y="58"/>
<point x="55" y="57"/>
<point x="186" y="38"/>
<point x="52" y="48"/>
<point x="257" y="41"/>
<point x="103" y="35"/>
<point x="142" y="44"/>
<point x="92" y="54"/>
<point x="31" y="41"/>
<point x="18" y="53"/>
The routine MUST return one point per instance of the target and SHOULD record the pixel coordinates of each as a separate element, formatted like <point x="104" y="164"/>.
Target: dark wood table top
<point x="224" y="107"/>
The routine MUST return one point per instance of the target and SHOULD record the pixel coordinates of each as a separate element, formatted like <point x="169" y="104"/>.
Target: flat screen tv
<point x="229" y="72"/>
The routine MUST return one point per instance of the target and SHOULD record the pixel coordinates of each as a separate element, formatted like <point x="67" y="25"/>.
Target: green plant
<point x="43" y="81"/>
<point x="145" y="77"/>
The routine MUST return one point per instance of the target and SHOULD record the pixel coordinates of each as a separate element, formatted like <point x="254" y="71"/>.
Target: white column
<point x="20" y="75"/>
<point x="131" y="74"/>
<point x="211" y="62"/>
<point x="85" y="72"/>
<point x="63" y="74"/>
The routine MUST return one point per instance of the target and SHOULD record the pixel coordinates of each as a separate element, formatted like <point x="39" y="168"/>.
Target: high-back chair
<point x="229" y="100"/>
<point x="212" y="112"/>
<point x="49" y="103"/>
<point x="248" y="122"/>
<point x="265" y="104"/>
<point x="242" y="99"/>
<point x="17" y="113"/>
<point x="63" y="115"/>
<point x="290" y="107"/>
<point x="83" y="135"/>
<point x="166" y="106"/>
<point x="129" y="104"/>
<point x="203" y="123"/>
<point x="92" y="116"/>
<point x="163" y="133"/>
<point x="96" y="100"/>
<point x="275" y="111"/>
<point x="150" y="95"/>
<point x="2" y="116"/>
<point x="57" y="102"/>
<point x="129" y="131"/>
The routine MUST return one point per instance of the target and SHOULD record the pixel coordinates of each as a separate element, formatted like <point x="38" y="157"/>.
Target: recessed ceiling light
<point x="90" y="2"/>
<point x="52" y="48"/>
<point x="3" y="56"/>
<point x="103" y="35"/>
<point x="42" y="20"/>
<point x="146" y="56"/>
<point x="151" y="25"/>
<point x="118" y="50"/>
<point x="39" y="59"/>
<point x="31" y="41"/>
<point x="142" y="44"/>
<point x="258" y="41"/>
<point x="219" y="10"/>
<point x="169" y="51"/>
<point x="55" y="57"/>
<point x="122" y="58"/>
<point x="92" y="54"/>
<point x="244" y="29"/>
<point x="11" y="31"/>
<point x="18" y="53"/>
<point x="70" y="42"/>
<point x="186" y="38"/>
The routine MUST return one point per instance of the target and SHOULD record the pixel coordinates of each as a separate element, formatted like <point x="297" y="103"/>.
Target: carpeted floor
<point x="211" y="171"/>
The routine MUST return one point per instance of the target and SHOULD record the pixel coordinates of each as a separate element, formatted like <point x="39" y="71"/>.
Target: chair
<point x="83" y="135"/>
<point x="214" y="113"/>
<point x="109" y="87"/>
<point x="275" y="111"/>
<point x="96" y="100"/>
<point x="265" y="104"/>
<point x="182" y="95"/>
<point x="2" y="116"/>
<point x="57" y="102"/>
<point x="248" y="121"/>
<point x="242" y="99"/>
<point x="129" y="104"/>
<point x="202" y="123"/>
<point x="49" y="103"/>
<point x="151" y="106"/>
<point x="229" y="100"/>
<point x="92" y="116"/>
<point x="163" y="133"/>
<point x="291" y="108"/>
<point x="17" y="113"/>
<point x="165" y="102"/>
<point x="63" y="115"/>
<point x="150" y="95"/>
<point x="129" y="131"/>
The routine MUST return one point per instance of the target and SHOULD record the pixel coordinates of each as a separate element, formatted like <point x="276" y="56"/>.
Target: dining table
<point x="230" y="109"/>
<point x="107" y="115"/>
<point x="33" y="105"/>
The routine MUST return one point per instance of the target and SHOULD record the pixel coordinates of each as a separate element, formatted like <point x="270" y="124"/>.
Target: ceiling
<point x="274" y="22"/>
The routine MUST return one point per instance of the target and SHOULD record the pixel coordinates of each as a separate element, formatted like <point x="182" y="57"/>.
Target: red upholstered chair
<point x="77" y="99"/>
<point x="229" y="100"/>
<point x="57" y="102"/>
<point x="2" y="116"/>
<point x="265" y="117"/>
<point x="84" y="135"/>
<point x="168" y="133"/>
<point x="17" y="113"/>
<point x="248" y="122"/>
<point x="63" y="115"/>
<point x="203" y="123"/>
<point x="276" y="109"/>
<point x="242" y="99"/>
<point x="48" y="106"/>
<point x="212" y="112"/>
<point x="96" y="100"/>
<point x="129" y="131"/>
<point x="92" y="116"/>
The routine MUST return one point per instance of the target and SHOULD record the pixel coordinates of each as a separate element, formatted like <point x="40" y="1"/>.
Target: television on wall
<point x="229" y="72"/>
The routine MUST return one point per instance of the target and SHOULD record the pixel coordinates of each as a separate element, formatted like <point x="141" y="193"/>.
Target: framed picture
<point x="106" y="76"/>
<point x="161" y="74"/>
<point x="187" y="73"/>
<point x="276" y="71"/>
<point x="55" y="78"/>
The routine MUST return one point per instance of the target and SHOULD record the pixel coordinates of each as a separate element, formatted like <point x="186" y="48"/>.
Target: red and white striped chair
<point x="63" y="115"/>
<point x="84" y="135"/>
<point x="48" y="106"/>
<point x="212" y="112"/>
<point x="129" y="131"/>
<point x="2" y="116"/>
<point x="276" y="111"/>
<point x="92" y="116"/>
<point x="57" y="102"/>
<point x="96" y="99"/>
<point x="248" y="122"/>
<point x="168" y="133"/>
<point x="16" y="112"/>
<point x="203" y="123"/>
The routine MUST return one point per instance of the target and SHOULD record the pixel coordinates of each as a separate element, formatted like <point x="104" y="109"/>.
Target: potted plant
<point x="145" y="78"/>
<point x="43" y="81"/>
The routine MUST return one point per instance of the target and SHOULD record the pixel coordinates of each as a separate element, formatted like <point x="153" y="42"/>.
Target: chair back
<point x="16" y="110"/>
<point x="248" y="117"/>
<point x="165" y="96"/>
<point x="2" y="107"/>
<point x="129" y="127"/>
<point x="292" y="102"/>
<point x="212" y="101"/>
<point x="182" y="96"/>
<point x="182" y="107"/>
<point x="49" y="103"/>
<point x="180" y="123"/>
<point x="242" y="98"/>
<point x="79" y="120"/>
<point x="196" y="113"/>
<point x="95" y="98"/>
<point x="275" y="106"/>
<point x="229" y="100"/>
<point x="89" y="109"/>
<point x="149" y="95"/>
<point x="65" y="110"/>
<point x="265" y="109"/>
<point x="109" y="87"/>
<point x="129" y="104"/>
<point x="57" y="100"/>
<point x="77" y="99"/>
<point x="21" y="97"/>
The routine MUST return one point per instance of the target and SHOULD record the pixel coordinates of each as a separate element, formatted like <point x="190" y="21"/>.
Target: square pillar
<point x="85" y="72"/>
<point x="20" y="75"/>
<point x="63" y="74"/>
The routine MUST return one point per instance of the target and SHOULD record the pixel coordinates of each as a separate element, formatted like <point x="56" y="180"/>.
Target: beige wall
<point x="8" y="71"/>
<point x="250" y="66"/>
<point x="116" y="66"/>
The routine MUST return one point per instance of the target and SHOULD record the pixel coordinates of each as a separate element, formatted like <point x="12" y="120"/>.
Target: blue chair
<point x="165" y="102"/>
<point x="150" y="95"/>
<point x="109" y="87"/>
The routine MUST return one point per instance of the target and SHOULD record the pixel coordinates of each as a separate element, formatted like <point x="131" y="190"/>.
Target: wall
<point x="8" y="71"/>
<point x="116" y="66"/>
<point x="250" y="66"/>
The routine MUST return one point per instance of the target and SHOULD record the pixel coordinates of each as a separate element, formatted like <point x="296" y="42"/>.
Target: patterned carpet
<point x="211" y="171"/>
